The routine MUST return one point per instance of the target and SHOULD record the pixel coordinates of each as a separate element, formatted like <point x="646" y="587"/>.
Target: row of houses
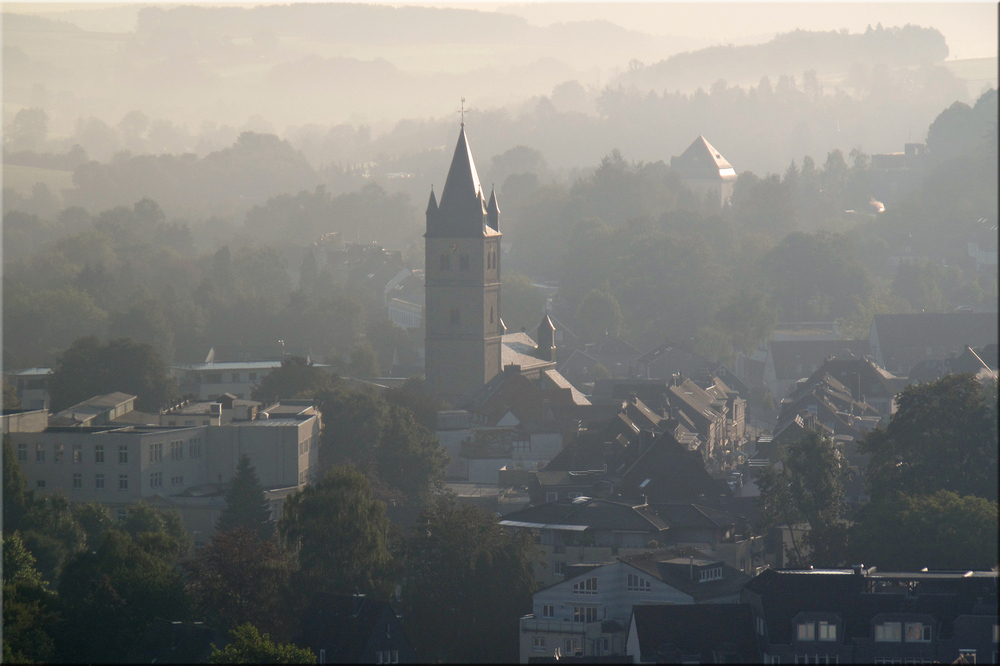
<point x="682" y="606"/>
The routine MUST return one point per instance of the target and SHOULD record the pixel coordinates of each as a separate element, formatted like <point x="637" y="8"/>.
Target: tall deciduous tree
<point x="111" y="595"/>
<point x="30" y="608"/>
<point x="90" y="368"/>
<point x="808" y="487"/>
<point x="457" y="558"/>
<point x="943" y="436"/>
<point x="241" y="578"/>
<point x="246" y="506"/>
<point x="938" y="531"/>
<point x="16" y="498"/>
<point x="338" y="531"/>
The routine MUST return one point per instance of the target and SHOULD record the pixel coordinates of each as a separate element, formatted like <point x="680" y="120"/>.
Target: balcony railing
<point x="530" y="623"/>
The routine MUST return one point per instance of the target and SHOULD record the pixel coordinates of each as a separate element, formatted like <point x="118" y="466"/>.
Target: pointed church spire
<point x="462" y="186"/>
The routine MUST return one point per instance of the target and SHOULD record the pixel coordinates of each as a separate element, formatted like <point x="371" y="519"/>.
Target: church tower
<point x="462" y="278"/>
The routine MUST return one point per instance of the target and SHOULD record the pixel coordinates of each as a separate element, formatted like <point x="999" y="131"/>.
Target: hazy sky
<point x="970" y="28"/>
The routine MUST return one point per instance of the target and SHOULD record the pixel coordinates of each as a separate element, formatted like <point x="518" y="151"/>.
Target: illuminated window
<point x="917" y="632"/>
<point x="806" y="631"/>
<point x="888" y="631"/>
<point x="827" y="631"/>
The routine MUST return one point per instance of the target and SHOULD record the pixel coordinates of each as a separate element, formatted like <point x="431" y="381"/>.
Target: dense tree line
<point x="932" y="481"/>
<point x="81" y="587"/>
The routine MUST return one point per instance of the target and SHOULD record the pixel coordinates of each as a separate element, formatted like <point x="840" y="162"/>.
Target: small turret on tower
<point x="493" y="211"/>
<point x="546" y="340"/>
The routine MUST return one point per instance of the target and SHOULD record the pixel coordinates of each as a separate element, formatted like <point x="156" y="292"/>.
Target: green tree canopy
<point x="240" y="578"/>
<point x="943" y="436"/>
<point x="938" y="531"/>
<point x="338" y="531"/>
<point x="456" y="557"/>
<point x="90" y="368"/>
<point x="16" y="497"/>
<point x="249" y="646"/>
<point x="30" y="608"/>
<point x="808" y="487"/>
<point x="11" y="402"/>
<point x="382" y="440"/>
<point x="111" y="595"/>
<point x="296" y="377"/>
<point x="246" y="506"/>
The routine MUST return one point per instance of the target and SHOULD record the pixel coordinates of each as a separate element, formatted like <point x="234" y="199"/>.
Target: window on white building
<point x="548" y="611"/>
<point x="123" y="482"/>
<point x="77" y="481"/>
<point x="588" y="586"/>
<point x="77" y="453"/>
<point x="571" y="645"/>
<point x="585" y="613"/>
<point x="98" y="482"/>
<point x="98" y="453"/>
<point x="538" y="644"/>
<point x="22" y="453"/>
<point x="39" y="453"/>
<point x="60" y="450"/>
<point x="122" y="453"/>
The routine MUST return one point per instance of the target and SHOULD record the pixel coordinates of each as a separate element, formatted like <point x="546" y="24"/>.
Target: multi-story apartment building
<point x="119" y="465"/>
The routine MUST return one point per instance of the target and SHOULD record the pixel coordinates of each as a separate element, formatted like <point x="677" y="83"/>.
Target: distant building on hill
<point x="704" y="170"/>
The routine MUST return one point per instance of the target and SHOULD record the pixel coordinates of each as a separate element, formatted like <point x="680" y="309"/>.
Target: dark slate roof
<point x="704" y="633"/>
<point x="693" y="515"/>
<point x="587" y="513"/>
<point x="462" y="211"/>
<point x="674" y="566"/>
<point x="463" y="179"/>
<point x="904" y="338"/>
<point x="666" y="472"/>
<point x="785" y="594"/>
<point x="788" y="354"/>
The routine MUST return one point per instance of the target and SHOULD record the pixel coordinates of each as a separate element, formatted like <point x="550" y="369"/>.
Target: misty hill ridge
<point x="794" y="53"/>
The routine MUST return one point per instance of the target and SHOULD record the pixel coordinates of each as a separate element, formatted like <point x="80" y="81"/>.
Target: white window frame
<point x="538" y="644"/>
<point x="586" y="586"/>
<point x="123" y="454"/>
<point x="548" y="610"/>
<point x="827" y="631"/>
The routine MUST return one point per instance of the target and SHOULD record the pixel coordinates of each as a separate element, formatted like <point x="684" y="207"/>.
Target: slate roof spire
<point x="462" y="185"/>
<point x="432" y="204"/>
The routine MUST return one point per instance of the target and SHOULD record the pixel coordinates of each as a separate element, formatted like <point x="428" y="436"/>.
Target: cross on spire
<point x="463" y="112"/>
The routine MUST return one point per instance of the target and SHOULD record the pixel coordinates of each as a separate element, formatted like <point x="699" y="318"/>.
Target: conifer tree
<point x="246" y="505"/>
